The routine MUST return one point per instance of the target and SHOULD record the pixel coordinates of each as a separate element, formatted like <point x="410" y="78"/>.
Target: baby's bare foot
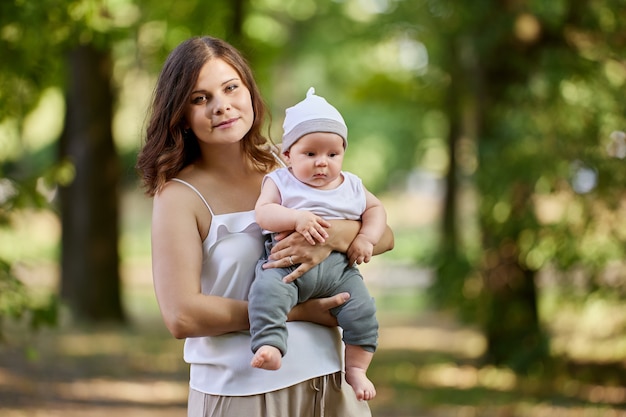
<point x="362" y="386"/>
<point x="267" y="357"/>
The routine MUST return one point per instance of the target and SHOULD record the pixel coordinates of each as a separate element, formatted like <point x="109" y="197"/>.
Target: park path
<point x="74" y="371"/>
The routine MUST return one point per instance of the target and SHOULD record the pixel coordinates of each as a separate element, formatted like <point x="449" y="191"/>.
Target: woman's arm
<point x="176" y="268"/>
<point x="386" y="242"/>
<point x="341" y="234"/>
<point x="317" y="310"/>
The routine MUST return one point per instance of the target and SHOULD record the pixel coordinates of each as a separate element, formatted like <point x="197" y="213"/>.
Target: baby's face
<point x="316" y="159"/>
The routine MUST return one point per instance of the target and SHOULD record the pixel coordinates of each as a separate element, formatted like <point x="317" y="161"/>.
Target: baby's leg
<point x="357" y="317"/>
<point x="269" y="301"/>
<point x="357" y="362"/>
<point x="267" y="357"/>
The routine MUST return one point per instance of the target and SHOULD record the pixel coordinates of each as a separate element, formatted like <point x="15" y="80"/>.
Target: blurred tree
<point x="522" y="70"/>
<point x="88" y="174"/>
<point x="29" y="67"/>
<point x="78" y="56"/>
<point x="528" y="145"/>
<point x="90" y="280"/>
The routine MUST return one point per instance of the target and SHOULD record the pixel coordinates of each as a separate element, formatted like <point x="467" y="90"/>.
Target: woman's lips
<point x="226" y="123"/>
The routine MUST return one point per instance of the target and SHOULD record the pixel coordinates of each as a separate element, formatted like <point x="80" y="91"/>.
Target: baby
<point x="302" y="197"/>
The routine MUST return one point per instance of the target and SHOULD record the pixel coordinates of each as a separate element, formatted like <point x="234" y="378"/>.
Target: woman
<point x="203" y="162"/>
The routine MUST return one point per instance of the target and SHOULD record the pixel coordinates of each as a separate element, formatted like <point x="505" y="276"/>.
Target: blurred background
<point x="493" y="131"/>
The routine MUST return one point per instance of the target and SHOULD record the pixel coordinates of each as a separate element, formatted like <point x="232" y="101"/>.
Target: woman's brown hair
<point x="168" y="146"/>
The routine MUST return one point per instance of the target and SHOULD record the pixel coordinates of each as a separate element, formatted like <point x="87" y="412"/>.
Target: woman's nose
<point x="219" y="105"/>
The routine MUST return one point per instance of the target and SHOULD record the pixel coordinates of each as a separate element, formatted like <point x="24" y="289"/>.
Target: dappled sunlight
<point x="79" y="411"/>
<point x="14" y="380"/>
<point x="85" y="390"/>
<point x="461" y="342"/>
<point x="89" y="344"/>
<point x="100" y="389"/>
<point x="466" y="377"/>
<point x="527" y="410"/>
<point x="581" y="347"/>
<point x="432" y="364"/>
<point x="142" y="351"/>
<point x="93" y="372"/>
<point x="451" y="389"/>
<point x="591" y="331"/>
<point x="550" y="208"/>
<point x="604" y="394"/>
<point x="34" y="234"/>
<point x="411" y="209"/>
<point x="546" y="410"/>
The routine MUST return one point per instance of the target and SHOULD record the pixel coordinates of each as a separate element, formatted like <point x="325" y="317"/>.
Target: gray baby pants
<point x="271" y="299"/>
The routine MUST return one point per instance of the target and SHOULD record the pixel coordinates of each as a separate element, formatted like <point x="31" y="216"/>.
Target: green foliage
<point x="546" y="106"/>
<point x="536" y="90"/>
<point x="18" y="193"/>
<point x="455" y="288"/>
<point x="548" y="133"/>
<point x="16" y="302"/>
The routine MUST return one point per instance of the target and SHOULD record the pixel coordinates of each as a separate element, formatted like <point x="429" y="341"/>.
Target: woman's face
<point x="220" y="106"/>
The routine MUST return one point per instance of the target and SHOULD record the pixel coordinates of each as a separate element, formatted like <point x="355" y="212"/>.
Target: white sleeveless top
<point x="347" y="201"/>
<point x="220" y="365"/>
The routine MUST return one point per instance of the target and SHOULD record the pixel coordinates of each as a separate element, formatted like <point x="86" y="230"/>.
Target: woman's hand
<point x="317" y="310"/>
<point x="293" y="249"/>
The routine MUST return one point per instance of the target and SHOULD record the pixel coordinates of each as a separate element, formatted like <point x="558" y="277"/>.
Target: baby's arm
<point x="271" y="215"/>
<point x="374" y="224"/>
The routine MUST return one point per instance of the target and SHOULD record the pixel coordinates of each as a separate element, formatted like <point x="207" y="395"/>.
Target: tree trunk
<point x="481" y="76"/>
<point x="510" y="321"/>
<point x="452" y="264"/>
<point x="514" y="337"/>
<point x="90" y="279"/>
<point x="449" y="237"/>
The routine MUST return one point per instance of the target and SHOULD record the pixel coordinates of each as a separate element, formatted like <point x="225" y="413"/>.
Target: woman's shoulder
<point x="180" y="195"/>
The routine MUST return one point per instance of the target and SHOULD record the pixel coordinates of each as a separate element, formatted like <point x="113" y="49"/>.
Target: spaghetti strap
<point x="279" y="159"/>
<point x="197" y="192"/>
<point x="276" y="156"/>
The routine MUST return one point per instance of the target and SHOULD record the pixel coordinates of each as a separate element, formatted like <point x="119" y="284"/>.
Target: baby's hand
<point x="312" y="227"/>
<point x="360" y="250"/>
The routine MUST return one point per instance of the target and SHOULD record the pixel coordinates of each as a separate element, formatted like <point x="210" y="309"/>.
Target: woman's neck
<point x="223" y="161"/>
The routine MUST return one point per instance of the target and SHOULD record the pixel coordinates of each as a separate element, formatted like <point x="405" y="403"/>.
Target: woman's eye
<point x="232" y="87"/>
<point x="199" y="99"/>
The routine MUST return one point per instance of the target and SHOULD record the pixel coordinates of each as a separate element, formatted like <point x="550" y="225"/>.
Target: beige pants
<point x="326" y="396"/>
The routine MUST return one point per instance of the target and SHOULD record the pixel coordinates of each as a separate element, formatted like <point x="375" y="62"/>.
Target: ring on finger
<point x="291" y="261"/>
